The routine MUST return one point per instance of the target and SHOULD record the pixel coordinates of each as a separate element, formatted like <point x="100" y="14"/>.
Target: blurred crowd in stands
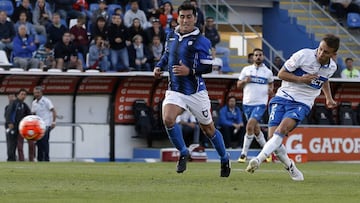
<point x="105" y="35"/>
<point x="340" y="8"/>
<point x="112" y="35"/>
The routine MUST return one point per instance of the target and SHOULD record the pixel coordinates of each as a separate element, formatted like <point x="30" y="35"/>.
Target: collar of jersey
<point x="181" y="37"/>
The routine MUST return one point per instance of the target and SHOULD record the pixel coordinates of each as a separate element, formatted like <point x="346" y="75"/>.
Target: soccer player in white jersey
<point x="303" y="77"/>
<point x="257" y="83"/>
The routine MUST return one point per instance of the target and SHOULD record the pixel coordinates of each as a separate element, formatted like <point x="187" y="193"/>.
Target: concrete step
<point x="310" y="21"/>
<point x="296" y="5"/>
<point x="323" y="29"/>
<point x="305" y="13"/>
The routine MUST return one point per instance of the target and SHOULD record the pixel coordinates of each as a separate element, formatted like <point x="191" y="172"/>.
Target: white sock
<point x="270" y="146"/>
<point x="247" y="142"/>
<point x="282" y="155"/>
<point x="261" y="139"/>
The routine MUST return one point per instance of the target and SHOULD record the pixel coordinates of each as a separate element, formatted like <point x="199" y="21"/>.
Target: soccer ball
<point x="32" y="127"/>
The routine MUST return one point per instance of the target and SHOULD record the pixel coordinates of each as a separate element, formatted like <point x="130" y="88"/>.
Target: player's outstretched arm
<point x="330" y="102"/>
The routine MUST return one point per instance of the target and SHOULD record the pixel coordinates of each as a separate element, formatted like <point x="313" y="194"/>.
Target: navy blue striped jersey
<point x="194" y="51"/>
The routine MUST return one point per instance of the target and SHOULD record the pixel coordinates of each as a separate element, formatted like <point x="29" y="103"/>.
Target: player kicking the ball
<point x="303" y="77"/>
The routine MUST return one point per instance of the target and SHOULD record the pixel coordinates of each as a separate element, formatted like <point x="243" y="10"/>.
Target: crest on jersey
<point x="205" y="113"/>
<point x="190" y="43"/>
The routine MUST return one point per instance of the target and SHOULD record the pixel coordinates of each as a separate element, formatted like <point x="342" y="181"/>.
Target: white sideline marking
<point x="311" y="172"/>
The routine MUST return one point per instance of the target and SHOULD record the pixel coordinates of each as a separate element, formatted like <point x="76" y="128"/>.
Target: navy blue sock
<point x="176" y="138"/>
<point x="218" y="143"/>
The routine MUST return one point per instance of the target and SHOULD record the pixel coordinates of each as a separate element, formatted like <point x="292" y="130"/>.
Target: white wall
<point x="92" y="116"/>
<point x="92" y="109"/>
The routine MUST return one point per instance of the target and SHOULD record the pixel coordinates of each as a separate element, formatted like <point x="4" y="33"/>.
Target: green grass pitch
<point x="158" y="182"/>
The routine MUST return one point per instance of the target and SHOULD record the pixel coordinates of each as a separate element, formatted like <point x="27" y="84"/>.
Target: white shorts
<point x="198" y="104"/>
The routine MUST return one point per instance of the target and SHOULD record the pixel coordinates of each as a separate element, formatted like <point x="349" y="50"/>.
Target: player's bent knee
<point x="169" y="122"/>
<point x="209" y="130"/>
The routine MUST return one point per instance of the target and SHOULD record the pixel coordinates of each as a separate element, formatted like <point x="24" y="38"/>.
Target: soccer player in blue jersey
<point x="257" y="83"/>
<point x="187" y="56"/>
<point x="303" y="77"/>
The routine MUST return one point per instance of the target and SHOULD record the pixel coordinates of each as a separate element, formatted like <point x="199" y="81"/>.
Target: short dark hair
<point x="231" y="97"/>
<point x="21" y="90"/>
<point x="39" y="88"/>
<point x="348" y="59"/>
<point x="48" y="45"/>
<point x="257" y="49"/>
<point x="101" y="18"/>
<point x="187" y="6"/>
<point x="332" y="41"/>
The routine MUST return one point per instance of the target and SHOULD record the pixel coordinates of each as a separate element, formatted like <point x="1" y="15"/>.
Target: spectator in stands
<point x="7" y="32"/>
<point x="190" y="128"/>
<point x="118" y="51"/>
<point x="65" y="9"/>
<point x="45" y="54"/>
<point x="118" y="11"/>
<point x="98" y="55"/>
<point x="339" y="67"/>
<point x="101" y="11"/>
<point x="79" y="36"/>
<point x="155" y="29"/>
<point x="157" y="49"/>
<point x="25" y="6"/>
<point x="323" y="3"/>
<point x="231" y="123"/>
<point x="158" y="3"/>
<point x="66" y="55"/>
<point x="55" y="30"/>
<point x="41" y="19"/>
<point x="83" y="7"/>
<point x="146" y="6"/>
<point x="200" y="16"/>
<point x="343" y="7"/>
<point x="16" y="111"/>
<point x="24" y="46"/>
<point x="42" y="14"/>
<point x="134" y="12"/>
<point x="278" y="63"/>
<point x="167" y="15"/>
<point x="250" y="59"/>
<point x="213" y="35"/>
<point x="217" y="62"/>
<point x="350" y="71"/>
<point x="100" y="28"/>
<point x="139" y="55"/>
<point x="29" y="27"/>
<point x="135" y="29"/>
<point x="172" y="25"/>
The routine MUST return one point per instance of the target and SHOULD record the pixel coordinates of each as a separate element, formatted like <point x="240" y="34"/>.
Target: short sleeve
<point x="293" y="62"/>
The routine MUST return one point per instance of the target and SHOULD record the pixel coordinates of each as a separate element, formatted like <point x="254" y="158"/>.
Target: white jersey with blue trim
<point x="256" y="92"/>
<point x="301" y="63"/>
